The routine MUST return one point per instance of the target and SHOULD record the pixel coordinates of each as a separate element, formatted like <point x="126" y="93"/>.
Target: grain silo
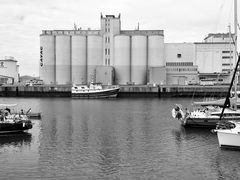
<point x="63" y="59"/>
<point x="47" y="59"/>
<point x="156" y="51"/>
<point x="122" y="59"/>
<point x="79" y="59"/>
<point x="139" y="59"/>
<point x="94" y="56"/>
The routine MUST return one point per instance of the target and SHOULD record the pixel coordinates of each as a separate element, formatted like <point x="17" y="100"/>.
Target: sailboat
<point x="228" y="132"/>
<point x="204" y="116"/>
<point x="207" y="114"/>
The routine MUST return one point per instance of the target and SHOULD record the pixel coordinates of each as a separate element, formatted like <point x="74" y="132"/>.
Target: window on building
<point x="106" y="61"/>
<point x="106" y="39"/>
<point x="179" y="55"/>
<point x="109" y="39"/>
<point x="106" y="51"/>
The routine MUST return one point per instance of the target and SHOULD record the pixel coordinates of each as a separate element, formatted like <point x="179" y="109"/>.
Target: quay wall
<point x="125" y="91"/>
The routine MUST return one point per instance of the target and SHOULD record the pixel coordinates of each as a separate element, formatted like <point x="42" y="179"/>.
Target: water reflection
<point x="114" y="139"/>
<point x="15" y="140"/>
<point x="109" y="158"/>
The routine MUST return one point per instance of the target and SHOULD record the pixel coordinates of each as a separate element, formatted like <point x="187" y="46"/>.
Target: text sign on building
<point x="41" y="56"/>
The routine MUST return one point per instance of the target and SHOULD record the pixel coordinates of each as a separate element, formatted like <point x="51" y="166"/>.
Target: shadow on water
<point x="195" y="138"/>
<point x="188" y="133"/>
<point x="15" y="139"/>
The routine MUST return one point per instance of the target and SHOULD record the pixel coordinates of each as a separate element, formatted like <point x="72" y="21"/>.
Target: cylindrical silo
<point x="139" y="59"/>
<point x="47" y="59"/>
<point x="122" y="59"/>
<point x="156" y="51"/>
<point x="94" y="56"/>
<point x="63" y="59"/>
<point x="79" y="60"/>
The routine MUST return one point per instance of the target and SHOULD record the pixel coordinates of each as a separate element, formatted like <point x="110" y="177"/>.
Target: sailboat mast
<point x="230" y="49"/>
<point x="235" y="47"/>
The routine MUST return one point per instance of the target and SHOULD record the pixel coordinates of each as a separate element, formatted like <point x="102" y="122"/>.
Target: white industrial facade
<point x="72" y="56"/>
<point x="189" y="63"/>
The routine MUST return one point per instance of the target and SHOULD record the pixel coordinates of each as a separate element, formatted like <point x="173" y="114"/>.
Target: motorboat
<point x="31" y="115"/>
<point x="13" y="122"/>
<point x="94" y="90"/>
<point x="204" y="116"/>
<point x="228" y="133"/>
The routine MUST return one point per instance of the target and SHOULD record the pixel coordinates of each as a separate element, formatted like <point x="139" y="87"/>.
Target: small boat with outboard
<point x="94" y="90"/>
<point x="31" y="115"/>
<point x="13" y="122"/>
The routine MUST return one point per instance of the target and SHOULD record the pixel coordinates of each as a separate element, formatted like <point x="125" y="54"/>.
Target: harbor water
<point x="119" y="138"/>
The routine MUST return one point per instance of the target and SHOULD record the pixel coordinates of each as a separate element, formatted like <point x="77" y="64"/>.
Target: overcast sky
<point x="21" y="21"/>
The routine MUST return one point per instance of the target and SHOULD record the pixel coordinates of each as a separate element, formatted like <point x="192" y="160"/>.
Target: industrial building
<point x="9" y="70"/>
<point x="114" y="56"/>
<point x="71" y="56"/>
<point x="191" y="63"/>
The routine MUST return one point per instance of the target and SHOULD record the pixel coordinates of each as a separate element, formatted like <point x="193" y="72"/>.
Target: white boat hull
<point x="228" y="138"/>
<point x="103" y="93"/>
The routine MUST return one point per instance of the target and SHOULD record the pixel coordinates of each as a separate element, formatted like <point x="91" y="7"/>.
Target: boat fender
<point x="177" y="113"/>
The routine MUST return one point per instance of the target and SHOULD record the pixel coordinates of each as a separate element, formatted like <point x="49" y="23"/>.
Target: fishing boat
<point x="13" y="122"/>
<point x="228" y="132"/>
<point x="94" y="90"/>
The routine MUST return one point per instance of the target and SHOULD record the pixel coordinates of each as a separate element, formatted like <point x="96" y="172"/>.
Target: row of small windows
<point x="182" y="69"/>
<point x="179" y="64"/>
<point x="227" y="57"/>
<point x="227" y="64"/>
<point x="228" y="70"/>
<point x="227" y="51"/>
<point x="107" y="51"/>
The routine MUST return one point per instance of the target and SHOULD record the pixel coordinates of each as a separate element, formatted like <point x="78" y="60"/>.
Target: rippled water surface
<point x="112" y="139"/>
